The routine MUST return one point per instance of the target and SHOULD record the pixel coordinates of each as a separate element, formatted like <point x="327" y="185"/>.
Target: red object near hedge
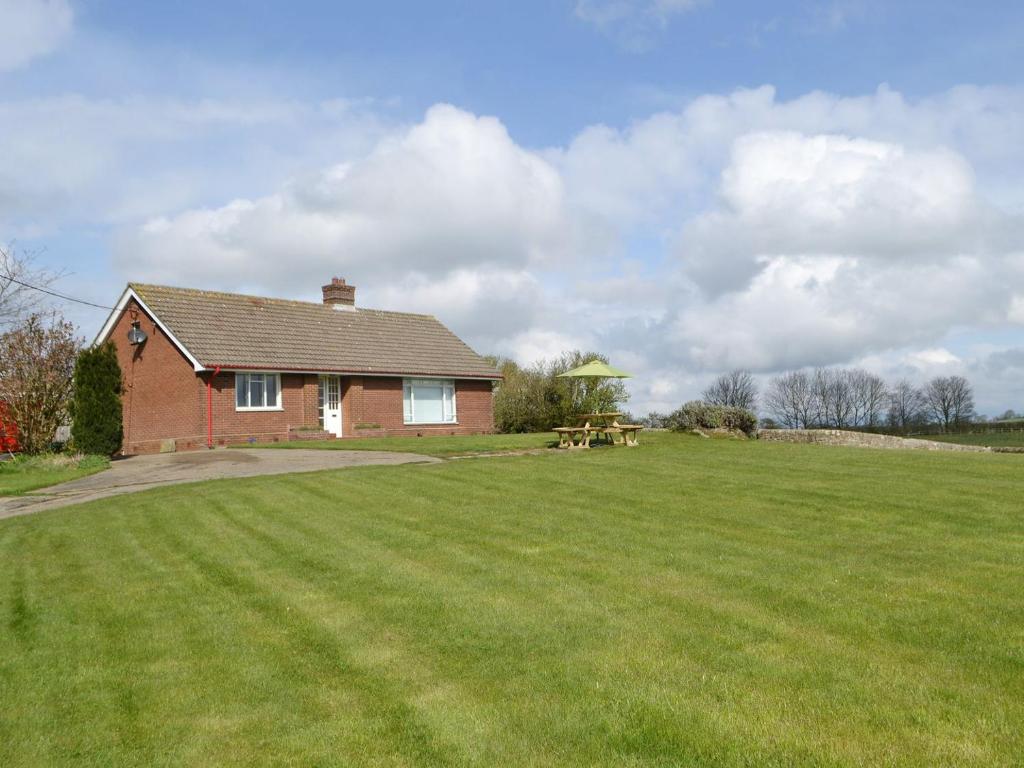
<point x="8" y="431"/>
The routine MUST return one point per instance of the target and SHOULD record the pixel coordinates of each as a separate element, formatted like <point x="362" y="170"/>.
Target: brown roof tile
<point x="237" y="331"/>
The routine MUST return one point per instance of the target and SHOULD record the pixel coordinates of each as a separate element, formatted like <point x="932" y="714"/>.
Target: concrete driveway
<point x="138" y="473"/>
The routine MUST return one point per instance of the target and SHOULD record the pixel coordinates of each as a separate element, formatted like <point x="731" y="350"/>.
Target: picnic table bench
<point x="567" y="437"/>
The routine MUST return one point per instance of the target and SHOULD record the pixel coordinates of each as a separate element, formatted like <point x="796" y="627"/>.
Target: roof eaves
<point x="354" y="371"/>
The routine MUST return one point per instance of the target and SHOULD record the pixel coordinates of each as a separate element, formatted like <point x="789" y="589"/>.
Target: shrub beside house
<point x="96" y="409"/>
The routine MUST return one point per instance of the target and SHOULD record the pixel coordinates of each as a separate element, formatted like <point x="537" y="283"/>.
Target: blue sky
<point x="687" y="185"/>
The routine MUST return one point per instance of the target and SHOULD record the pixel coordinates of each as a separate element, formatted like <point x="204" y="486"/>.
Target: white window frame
<point x="240" y="375"/>
<point x="409" y="393"/>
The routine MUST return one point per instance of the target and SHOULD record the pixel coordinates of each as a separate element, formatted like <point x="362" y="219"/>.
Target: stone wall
<point x="861" y="440"/>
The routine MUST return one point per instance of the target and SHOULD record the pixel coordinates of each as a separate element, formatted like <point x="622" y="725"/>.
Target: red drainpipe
<point x="209" y="407"/>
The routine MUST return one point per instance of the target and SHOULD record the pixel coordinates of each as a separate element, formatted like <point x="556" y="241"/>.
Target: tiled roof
<point x="236" y="331"/>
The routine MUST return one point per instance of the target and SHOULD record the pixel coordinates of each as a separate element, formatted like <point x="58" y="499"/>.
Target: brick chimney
<point x="339" y="294"/>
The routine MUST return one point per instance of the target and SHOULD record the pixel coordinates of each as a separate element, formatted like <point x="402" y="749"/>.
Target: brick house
<point x="203" y="369"/>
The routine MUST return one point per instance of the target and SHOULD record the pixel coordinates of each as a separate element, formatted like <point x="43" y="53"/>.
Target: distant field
<point x="993" y="439"/>
<point x="685" y="603"/>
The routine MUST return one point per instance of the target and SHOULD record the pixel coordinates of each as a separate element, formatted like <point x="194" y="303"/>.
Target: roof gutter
<point x="351" y="372"/>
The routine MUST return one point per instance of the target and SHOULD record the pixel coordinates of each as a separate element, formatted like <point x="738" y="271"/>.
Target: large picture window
<point x="257" y="391"/>
<point x="429" y="401"/>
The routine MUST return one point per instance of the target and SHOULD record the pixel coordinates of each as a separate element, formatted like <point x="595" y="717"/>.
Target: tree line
<point x="533" y="398"/>
<point x="844" y="398"/>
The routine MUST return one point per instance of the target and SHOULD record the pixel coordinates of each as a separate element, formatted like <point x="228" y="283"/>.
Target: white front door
<point x="330" y="403"/>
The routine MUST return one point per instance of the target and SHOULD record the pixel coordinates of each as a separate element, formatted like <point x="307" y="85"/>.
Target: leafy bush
<point x="534" y="399"/>
<point x="96" y="407"/>
<point x="700" y="415"/>
<point x="653" y="420"/>
<point x="37" y="361"/>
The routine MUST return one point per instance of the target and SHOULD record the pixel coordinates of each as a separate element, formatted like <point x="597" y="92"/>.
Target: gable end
<point x="131" y="295"/>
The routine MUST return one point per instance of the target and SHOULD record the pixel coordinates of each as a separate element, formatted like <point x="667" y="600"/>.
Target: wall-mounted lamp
<point x="136" y="335"/>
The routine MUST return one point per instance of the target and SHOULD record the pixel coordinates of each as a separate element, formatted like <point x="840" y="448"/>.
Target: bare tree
<point x="950" y="400"/>
<point x="834" y="397"/>
<point x="939" y="400"/>
<point x="906" y="405"/>
<point x="736" y="389"/>
<point x="840" y="398"/>
<point x="963" y="401"/>
<point x="37" y="363"/>
<point x="869" y="396"/>
<point x="18" y="270"/>
<point x="790" y="400"/>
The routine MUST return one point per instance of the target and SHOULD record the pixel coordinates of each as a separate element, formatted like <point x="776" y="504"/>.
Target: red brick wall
<point x="310" y="414"/>
<point x="165" y="399"/>
<point x="234" y="426"/>
<point x="374" y="400"/>
<point x="161" y="396"/>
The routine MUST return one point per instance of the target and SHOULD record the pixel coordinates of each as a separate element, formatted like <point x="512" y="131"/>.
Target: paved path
<point x="139" y="473"/>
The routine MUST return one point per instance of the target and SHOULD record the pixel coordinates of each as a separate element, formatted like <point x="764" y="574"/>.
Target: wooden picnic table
<point x="600" y="424"/>
<point x="598" y="419"/>
<point x="590" y="424"/>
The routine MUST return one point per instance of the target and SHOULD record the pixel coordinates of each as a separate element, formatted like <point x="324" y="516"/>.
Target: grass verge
<point x="29" y="473"/>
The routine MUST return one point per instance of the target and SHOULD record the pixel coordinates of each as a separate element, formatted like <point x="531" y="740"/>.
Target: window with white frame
<point x="257" y="391"/>
<point x="429" y="401"/>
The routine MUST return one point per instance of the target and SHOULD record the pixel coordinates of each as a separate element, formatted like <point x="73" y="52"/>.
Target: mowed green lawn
<point x="443" y="446"/>
<point x="688" y="602"/>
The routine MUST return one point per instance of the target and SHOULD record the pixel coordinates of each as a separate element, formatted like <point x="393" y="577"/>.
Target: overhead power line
<point x="57" y="295"/>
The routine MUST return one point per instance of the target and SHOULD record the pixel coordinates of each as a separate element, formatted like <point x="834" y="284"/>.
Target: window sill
<point x="431" y="423"/>
<point x="258" y="410"/>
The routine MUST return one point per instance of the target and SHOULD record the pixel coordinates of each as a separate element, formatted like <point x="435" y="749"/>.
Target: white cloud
<point x="451" y="193"/>
<point x="788" y="193"/>
<point x="926" y="359"/>
<point x="801" y="311"/>
<point x="536" y="344"/>
<point x="497" y="304"/>
<point x="835" y="185"/>
<point x="30" y="29"/>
